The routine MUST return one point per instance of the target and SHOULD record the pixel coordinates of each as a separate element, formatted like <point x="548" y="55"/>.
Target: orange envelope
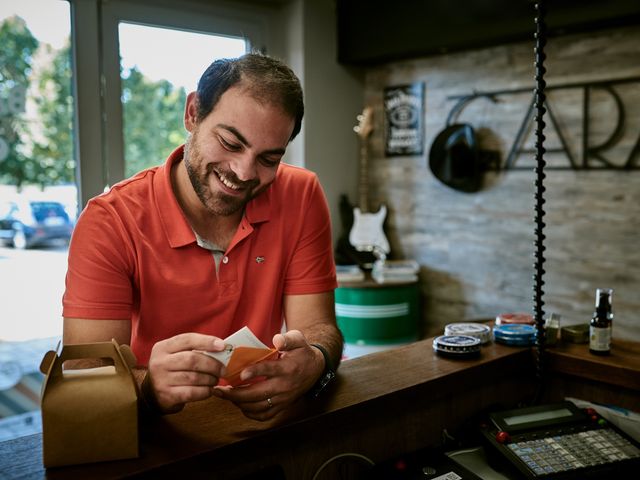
<point x="243" y="349"/>
<point x="241" y="358"/>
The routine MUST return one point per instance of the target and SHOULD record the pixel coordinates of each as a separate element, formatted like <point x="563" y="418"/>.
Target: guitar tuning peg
<point x="356" y="129"/>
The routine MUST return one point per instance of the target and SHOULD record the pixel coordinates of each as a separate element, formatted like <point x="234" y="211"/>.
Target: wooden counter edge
<point x="620" y="368"/>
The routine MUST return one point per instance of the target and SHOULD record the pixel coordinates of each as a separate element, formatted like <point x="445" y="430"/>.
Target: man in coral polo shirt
<point x="221" y="236"/>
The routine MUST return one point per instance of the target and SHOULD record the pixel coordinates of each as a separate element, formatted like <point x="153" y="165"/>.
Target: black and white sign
<point x="404" y="119"/>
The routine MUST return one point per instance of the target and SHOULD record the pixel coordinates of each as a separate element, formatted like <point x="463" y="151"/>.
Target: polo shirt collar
<point x="259" y="209"/>
<point x="176" y="226"/>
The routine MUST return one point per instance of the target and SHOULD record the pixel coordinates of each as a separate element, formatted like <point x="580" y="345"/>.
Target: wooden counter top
<point x="381" y="405"/>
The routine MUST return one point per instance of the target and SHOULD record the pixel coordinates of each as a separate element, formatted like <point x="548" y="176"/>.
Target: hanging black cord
<point x="538" y="282"/>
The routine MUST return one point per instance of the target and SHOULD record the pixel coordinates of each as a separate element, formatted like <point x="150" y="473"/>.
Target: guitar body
<point x="345" y="253"/>
<point x="368" y="231"/>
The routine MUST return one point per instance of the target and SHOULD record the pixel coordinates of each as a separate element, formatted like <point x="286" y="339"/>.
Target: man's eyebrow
<point x="233" y="130"/>
<point x="244" y="141"/>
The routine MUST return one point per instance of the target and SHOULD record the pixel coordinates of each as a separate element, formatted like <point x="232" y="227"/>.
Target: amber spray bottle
<point x="601" y="323"/>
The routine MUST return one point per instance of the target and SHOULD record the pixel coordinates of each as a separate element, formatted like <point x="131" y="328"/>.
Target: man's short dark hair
<point x="266" y="79"/>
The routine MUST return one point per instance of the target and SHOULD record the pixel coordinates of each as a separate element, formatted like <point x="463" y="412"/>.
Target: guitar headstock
<point x="365" y="123"/>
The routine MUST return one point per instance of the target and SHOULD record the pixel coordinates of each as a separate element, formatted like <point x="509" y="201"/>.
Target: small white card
<point x="242" y="338"/>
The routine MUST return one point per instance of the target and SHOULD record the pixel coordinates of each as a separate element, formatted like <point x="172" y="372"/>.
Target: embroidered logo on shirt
<point x="259" y="259"/>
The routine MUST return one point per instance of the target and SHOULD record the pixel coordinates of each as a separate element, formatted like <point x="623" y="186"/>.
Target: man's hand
<point x="178" y="375"/>
<point x="287" y="378"/>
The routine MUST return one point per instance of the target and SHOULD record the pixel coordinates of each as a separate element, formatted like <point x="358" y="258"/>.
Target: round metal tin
<point x="515" y="334"/>
<point x="476" y="330"/>
<point x="457" y="345"/>
<point x="517" y="318"/>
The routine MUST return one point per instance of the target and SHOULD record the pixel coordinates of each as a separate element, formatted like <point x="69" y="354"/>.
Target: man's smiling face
<point x="233" y="154"/>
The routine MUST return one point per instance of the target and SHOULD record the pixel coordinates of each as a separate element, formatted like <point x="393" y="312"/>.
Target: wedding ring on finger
<point x="269" y="402"/>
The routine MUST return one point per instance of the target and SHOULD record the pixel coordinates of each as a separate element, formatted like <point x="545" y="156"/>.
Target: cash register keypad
<point x="560" y="453"/>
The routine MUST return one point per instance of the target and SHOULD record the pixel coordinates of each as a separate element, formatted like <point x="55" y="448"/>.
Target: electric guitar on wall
<point x="367" y="234"/>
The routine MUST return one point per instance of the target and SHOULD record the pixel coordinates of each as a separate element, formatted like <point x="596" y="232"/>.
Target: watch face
<point x="322" y="383"/>
<point x="326" y="378"/>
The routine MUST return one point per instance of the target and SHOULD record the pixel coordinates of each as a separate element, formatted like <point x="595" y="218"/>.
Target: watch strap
<point x="328" y="364"/>
<point x="327" y="375"/>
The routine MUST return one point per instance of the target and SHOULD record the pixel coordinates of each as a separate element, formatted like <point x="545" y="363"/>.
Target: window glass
<point x="38" y="195"/>
<point x="159" y="67"/>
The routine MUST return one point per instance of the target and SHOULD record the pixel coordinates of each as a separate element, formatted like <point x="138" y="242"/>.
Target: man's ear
<point x="191" y="112"/>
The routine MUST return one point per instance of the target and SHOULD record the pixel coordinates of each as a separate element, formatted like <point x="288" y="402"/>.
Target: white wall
<point x="333" y="99"/>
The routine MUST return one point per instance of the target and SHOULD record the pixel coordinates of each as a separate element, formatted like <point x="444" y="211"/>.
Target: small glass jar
<point x="552" y="329"/>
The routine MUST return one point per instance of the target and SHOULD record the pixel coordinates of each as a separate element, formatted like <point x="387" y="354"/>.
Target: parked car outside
<point x="30" y="223"/>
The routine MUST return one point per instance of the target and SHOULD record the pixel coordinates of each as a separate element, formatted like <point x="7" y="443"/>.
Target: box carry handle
<point x="91" y="351"/>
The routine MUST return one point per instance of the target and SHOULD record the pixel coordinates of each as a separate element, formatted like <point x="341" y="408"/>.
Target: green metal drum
<point x="378" y="315"/>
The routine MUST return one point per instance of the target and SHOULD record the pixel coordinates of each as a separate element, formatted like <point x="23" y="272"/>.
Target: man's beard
<point x="217" y="203"/>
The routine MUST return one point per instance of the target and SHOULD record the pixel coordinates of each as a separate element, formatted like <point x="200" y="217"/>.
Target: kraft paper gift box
<point x="89" y="415"/>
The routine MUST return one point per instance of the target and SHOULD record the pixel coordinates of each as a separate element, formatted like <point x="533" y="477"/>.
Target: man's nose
<point x="245" y="167"/>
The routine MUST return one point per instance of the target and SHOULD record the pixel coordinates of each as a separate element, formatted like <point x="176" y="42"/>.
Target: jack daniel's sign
<point x="404" y="119"/>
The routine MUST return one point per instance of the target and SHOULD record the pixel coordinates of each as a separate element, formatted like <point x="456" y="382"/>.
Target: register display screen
<point x="538" y="416"/>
